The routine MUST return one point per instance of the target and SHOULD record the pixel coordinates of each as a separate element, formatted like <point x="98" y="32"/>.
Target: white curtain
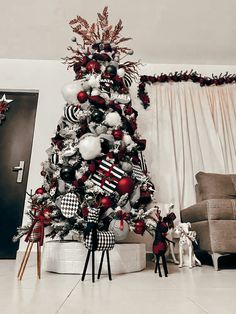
<point x="191" y="129"/>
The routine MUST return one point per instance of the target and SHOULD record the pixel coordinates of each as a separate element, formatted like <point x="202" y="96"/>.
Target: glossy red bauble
<point x="125" y="185"/>
<point x="93" y="66"/>
<point x="40" y="191"/>
<point x="105" y="202"/>
<point x="139" y="227"/>
<point x="82" y="97"/>
<point x="118" y="134"/>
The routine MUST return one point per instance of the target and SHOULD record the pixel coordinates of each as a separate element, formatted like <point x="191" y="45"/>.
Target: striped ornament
<point x="54" y="158"/>
<point x="70" y="113"/>
<point x="127" y="80"/>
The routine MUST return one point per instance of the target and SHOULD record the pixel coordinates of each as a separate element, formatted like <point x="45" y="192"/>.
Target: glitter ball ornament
<point x="93" y="66"/>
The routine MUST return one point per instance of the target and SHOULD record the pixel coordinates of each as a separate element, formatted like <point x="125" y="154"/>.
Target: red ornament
<point x="118" y="134"/>
<point x="82" y="97"/>
<point x="105" y="202"/>
<point x="93" y="66"/>
<point x="125" y="185"/>
<point x="139" y="227"/>
<point x="128" y="111"/>
<point x="40" y="191"/>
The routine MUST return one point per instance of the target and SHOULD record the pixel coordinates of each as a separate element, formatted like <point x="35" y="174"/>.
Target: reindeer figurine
<point x="96" y="240"/>
<point x="160" y="241"/>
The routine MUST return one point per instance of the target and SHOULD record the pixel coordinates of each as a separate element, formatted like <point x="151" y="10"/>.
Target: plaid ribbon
<point x="38" y="223"/>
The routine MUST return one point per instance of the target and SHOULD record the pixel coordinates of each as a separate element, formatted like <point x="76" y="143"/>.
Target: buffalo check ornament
<point x="69" y="205"/>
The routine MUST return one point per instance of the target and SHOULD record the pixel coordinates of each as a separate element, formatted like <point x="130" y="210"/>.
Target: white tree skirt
<point x="68" y="257"/>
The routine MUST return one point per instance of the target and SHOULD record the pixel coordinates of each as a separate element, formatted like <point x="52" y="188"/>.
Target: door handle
<point x="20" y="171"/>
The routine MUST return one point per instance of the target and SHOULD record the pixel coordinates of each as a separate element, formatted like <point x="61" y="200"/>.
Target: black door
<point x="16" y="136"/>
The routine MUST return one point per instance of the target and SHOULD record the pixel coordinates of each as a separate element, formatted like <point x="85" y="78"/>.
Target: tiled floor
<point x="198" y="290"/>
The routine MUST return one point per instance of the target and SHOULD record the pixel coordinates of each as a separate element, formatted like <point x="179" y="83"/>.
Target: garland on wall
<point x="179" y="77"/>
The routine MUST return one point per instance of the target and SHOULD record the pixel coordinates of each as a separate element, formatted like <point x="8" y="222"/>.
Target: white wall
<point x="48" y="77"/>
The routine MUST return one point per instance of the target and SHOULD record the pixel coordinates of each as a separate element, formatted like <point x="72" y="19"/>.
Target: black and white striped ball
<point x="70" y="113"/>
<point x="55" y="158"/>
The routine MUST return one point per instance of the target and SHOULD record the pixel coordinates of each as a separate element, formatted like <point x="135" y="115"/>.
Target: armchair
<point x="213" y="217"/>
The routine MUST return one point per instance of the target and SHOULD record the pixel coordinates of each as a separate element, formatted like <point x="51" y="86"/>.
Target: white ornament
<point x="121" y="72"/>
<point x="121" y="232"/>
<point x="70" y="92"/>
<point x="113" y="119"/>
<point x="85" y="86"/>
<point x="90" y="147"/>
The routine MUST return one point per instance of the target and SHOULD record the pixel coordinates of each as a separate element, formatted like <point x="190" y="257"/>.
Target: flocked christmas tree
<point x="95" y="158"/>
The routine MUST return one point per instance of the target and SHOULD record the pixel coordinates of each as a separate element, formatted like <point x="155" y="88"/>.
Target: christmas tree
<point x="95" y="158"/>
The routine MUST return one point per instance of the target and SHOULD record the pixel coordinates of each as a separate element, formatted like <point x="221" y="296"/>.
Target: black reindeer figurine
<point x="96" y="240"/>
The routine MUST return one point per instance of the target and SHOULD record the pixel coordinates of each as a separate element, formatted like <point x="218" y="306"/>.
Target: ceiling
<point x="163" y="31"/>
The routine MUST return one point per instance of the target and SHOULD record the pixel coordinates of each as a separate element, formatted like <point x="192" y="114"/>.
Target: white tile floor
<point x="190" y="291"/>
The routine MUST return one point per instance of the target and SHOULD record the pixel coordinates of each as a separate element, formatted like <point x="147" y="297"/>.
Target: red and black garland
<point x="179" y="77"/>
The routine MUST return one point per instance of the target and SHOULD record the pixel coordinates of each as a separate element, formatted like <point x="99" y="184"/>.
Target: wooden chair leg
<point x="38" y="260"/>
<point x="108" y="265"/>
<point x="93" y="266"/>
<point x="86" y="265"/>
<point x="100" y="266"/>
<point x="25" y="260"/>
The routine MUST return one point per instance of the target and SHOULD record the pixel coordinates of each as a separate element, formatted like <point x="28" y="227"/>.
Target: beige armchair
<point x="213" y="217"/>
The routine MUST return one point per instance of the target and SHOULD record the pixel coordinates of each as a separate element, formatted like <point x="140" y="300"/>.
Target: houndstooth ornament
<point x="105" y="239"/>
<point x="69" y="205"/>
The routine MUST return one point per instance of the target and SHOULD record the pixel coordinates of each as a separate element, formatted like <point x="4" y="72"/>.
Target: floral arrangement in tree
<point x="95" y="158"/>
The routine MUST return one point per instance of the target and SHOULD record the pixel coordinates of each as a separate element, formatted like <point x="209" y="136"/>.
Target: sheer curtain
<point x="193" y="129"/>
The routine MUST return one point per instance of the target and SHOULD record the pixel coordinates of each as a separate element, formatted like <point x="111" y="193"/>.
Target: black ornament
<point x="97" y="116"/>
<point x="112" y="70"/>
<point x="67" y="173"/>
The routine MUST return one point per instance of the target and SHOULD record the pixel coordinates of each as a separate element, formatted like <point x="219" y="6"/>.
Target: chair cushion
<point x="214" y="209"/>
<point x="216" y="186"/>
